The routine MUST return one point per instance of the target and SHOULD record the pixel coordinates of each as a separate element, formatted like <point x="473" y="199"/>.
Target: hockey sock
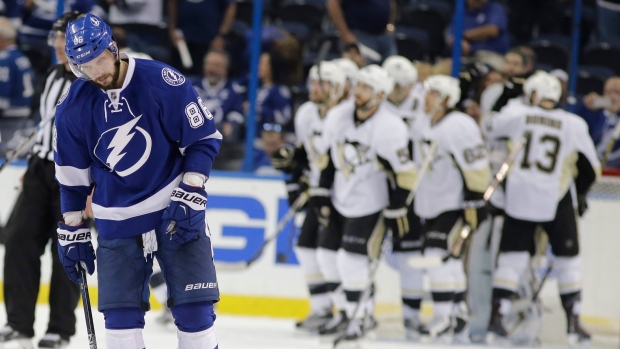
<point x="510" y="267"/>
<point x="411" y="285"/>
<point x="442" y="280"/>
<point x="354" y="269"/>
<point x="569" y="274"/>
<point x="205" y="339"/>
<point x="460" y="280"/>
<point x="319" y="293"/>
<point x="328" y="265"/>
<point x="124" y="339"/>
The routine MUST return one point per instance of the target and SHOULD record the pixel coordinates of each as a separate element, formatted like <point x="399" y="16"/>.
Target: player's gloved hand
<point x="284" y="159"/>
<point x="396" y="220"/>
<point x="321" y="203"/>
<point x="75" y="248"/>
<point x="582" y="204"/>
<point x="294" y="189"/>
<point x="475" y="213"/>
<point x="184" y="219"/>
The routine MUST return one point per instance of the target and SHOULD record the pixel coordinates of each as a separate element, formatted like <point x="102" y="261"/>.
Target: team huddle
<point x="379" y="154"/>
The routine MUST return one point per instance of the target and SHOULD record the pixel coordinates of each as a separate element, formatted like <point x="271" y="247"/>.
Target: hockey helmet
<point x="401" y="70"/>
<point x="87" y="38"/>
<point x="329" y="71"/>
<point x="446" y="86"/>
<point x="377" y="78"/>
<point x="546" y="86"/>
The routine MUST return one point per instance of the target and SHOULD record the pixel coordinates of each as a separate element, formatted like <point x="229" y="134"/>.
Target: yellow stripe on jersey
<point x="477" y="180"/>
<point x="406" y="179"/>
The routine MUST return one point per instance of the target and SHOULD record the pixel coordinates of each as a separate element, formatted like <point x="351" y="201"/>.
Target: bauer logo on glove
<point x="184" y="219"/>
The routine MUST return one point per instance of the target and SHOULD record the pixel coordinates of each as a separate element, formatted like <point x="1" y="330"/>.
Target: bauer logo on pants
<point x="200" y="285"/>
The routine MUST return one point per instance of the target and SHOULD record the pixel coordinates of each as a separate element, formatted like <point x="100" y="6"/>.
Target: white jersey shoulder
<point x="309" y="130"/>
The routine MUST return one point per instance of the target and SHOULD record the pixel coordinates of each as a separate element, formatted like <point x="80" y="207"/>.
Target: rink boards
<point x="244" y="209"/>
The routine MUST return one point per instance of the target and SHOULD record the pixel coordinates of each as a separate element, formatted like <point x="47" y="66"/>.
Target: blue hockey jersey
<point x="133" y="144"/>
<point x="225" y="100"/>
<point x="16" y="83"/>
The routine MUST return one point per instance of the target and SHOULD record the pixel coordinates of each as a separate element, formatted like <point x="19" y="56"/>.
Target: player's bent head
<point x="87" y="38"/>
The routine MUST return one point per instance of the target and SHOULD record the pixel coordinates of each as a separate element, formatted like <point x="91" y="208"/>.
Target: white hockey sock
<point x="328" y="265"/>
<point x="458" y="273"/>
<point x="510" y="268"/>
<point x="355" y="269"/>
<point x="124" y="339"/>
<point x="569" y="274"/>
<point x="198" y="340"/>
<point x="410" y="278"/>
<point x="319" y="302"/>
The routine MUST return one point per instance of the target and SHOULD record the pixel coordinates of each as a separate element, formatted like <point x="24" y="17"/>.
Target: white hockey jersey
<point x="308" y="130"/>
<point x="356" y="149"/>
<point x="546" y="166"/>
<point x="411" y="110"/>
<point x="460" y="163"/>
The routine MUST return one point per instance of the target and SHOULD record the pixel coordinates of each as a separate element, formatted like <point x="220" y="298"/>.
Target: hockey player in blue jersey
<point x="137" y="132"/>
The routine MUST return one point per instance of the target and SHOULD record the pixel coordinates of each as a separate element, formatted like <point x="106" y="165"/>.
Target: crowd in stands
<point x="504" y="41"/>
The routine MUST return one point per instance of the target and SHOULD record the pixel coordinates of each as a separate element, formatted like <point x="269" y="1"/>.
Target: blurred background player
<point x="365" y="142"/>
<point x="403" y="102"/>
<point x="557" y="160"/>
<point x="33" y="224"/>
<point x="101" y="116"/>
<point x="326" y="85"/>
<point x="450" y="196"/>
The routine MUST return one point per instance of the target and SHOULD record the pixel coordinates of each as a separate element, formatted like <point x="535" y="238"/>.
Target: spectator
<point x="369" y="22"/>
<point x="222" y="97"/>
<point x="518" y="66"/>
<point x="602" y="114"/>
<point x="204" y="25"/>
<point x="608" y="16"/>
<point x="273" y="100"/>
<point x="271" y="140"/>
<point x="33" y="224"/>
<point x="33" y="20"/>
<point x="16" y="84"/>
<point x="144" y="25"/>
<point x="485" y="27"/>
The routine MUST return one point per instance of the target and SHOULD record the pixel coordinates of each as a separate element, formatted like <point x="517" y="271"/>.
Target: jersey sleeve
<point x="588" y="164"/>
<point x="470" y="155"/>
<point x="502" y="125"/>
<point x="393" y="154"/>
<point x="22" y="88"/>
<point x="188" y="122"/>
<point x="72" y="159"/>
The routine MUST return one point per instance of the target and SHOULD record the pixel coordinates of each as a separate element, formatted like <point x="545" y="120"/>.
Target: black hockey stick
<point x="25" y="143"/>
<point x="456" y="250"/>
<point x="297" y="205"/>
<point x="90" y="326"/>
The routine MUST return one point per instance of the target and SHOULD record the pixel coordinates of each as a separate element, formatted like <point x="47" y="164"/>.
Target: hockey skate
<point x="352" y="334"/>
<point x="53" y="340"/>
<point x="439" y="330"/>
<point x="337" y="324"/>
<point x="314" y="321"/>
<point x="414" y="328"/>
<point x="577" y="335"/>
<point x="9" y="338"/>
<point x="496" y="332"/>
<point x="460" y="324"/>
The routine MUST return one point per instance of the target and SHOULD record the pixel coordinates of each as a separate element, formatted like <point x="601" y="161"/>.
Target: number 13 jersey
<point x="558" y="149"/>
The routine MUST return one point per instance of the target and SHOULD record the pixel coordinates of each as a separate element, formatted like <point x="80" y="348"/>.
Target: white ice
<point x="234" y="332"/>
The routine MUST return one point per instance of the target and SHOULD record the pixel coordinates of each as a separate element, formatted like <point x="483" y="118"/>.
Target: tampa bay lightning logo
<point x="124" y="149"/>
<point x="171" y="77"/>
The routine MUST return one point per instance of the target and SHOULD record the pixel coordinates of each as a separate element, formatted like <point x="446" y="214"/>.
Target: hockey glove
<point x="396" y="220"/>
<point x="321" y="203"/>
<point x="75" y="247"/>
<point x="294" y="189"/>
<point x="284" y="159"/>
<point x="184" y="219"/>
<point x="582" y="204"/>
<point x="475" y="213"/>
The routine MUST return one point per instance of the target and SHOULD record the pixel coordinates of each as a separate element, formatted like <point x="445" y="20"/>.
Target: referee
<point x="33" y="223"/>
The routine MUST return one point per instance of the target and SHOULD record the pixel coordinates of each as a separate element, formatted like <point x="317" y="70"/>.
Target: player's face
<point x="215" y="67"/>
<point x="363" y="94"/>
<point x="513" y="65"/>
<point x="59" y="47"/>
<point x="612" y="91"/>
<point x="102" y="70"/>
<point x="272" y="141"/>
<point x="319" y="91"/>
<point x="431" y="98"/>
<point x="399" y="93"/>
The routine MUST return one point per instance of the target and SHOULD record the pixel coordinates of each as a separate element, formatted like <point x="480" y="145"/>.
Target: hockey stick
<point x="24" y="144"/>
<point x="296" y="206"/>
<point x="435" y="261"/>
<point x="90" y="326"/>
<point x="610" y="145"/>
<point x="186" y="58"/>
<point x="523" y="305"/>
<point x="374" y="266"/>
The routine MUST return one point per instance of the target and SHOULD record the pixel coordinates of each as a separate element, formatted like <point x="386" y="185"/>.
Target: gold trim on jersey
<point x="477" y="180"/>
<point x="321" y="161"/>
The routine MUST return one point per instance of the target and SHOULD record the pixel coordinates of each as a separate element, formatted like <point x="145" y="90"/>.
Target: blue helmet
<point x="86" y="38"/>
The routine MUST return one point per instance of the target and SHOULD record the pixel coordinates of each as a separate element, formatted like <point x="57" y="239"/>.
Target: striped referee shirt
<point x="56" y="84"/>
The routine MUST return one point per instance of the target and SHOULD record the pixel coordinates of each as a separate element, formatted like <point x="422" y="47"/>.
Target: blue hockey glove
<point x="75" y="247"/>
<point x="184" y="219"/>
